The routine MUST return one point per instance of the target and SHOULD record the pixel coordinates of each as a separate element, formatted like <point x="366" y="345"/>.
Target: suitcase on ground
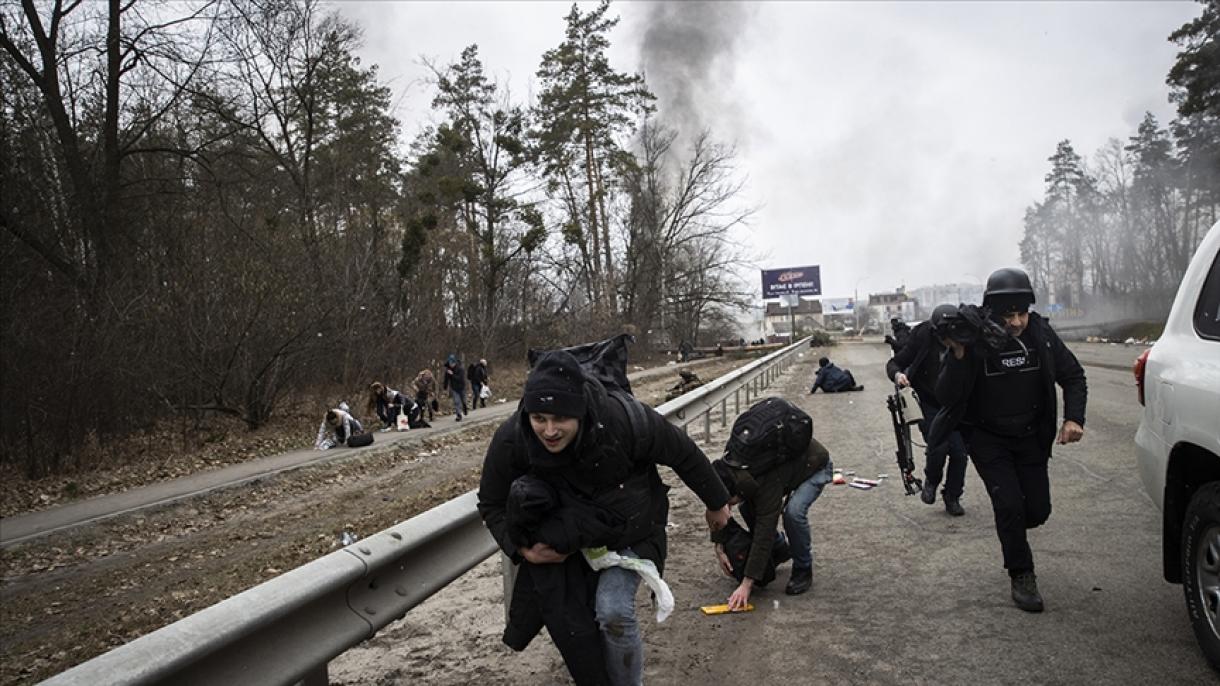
<point x="360" y="440"/>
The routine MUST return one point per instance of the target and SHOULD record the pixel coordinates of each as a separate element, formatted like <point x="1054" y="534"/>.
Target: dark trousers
<point x="476" y="389"/>
<point x="1015" y="473"/>
<point x="954" y="449"/>
<point x="388" y="412"/>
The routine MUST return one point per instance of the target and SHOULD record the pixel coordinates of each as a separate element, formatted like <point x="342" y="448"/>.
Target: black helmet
<point x="1008" y="290"/>
<point x="939" y="313"/>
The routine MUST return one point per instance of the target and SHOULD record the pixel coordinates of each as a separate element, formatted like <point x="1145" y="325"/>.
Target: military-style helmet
<point x="939" y="313"/>
<point x="1008" y="290"/>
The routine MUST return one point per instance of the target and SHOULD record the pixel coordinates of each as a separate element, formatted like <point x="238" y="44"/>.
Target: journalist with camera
<point x="997" y="386"/>
<point x="917" y="364"/>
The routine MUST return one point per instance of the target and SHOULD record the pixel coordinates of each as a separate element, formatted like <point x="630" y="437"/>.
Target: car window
<point x="1207" y="310"/>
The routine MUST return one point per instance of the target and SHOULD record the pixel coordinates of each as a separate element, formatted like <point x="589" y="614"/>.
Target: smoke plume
<point x="688" y="52"/>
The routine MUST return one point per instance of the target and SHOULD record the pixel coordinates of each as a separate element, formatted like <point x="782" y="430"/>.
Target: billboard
<point x="838" y="306"/>
<point x="792" y="281"/>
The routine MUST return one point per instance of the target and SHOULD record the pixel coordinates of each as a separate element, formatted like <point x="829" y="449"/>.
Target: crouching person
<point x="605" y="450"/>
<point x="831" y="379"/>
<point x="337" y="428"/>
<point x="772" y="468"/>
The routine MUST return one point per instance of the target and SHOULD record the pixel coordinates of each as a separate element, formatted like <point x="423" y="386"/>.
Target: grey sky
<point x="890" y="143"/>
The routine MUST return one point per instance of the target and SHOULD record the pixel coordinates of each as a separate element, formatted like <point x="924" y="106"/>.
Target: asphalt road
<point x="902" y="592"/>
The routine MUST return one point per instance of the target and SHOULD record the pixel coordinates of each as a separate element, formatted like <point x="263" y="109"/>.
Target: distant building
<point x="778" y="322"/>
<point x="886" y="306"/>
<point x="928" y="297"/>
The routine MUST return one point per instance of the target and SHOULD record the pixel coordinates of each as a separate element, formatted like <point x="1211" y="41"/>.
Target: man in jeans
<point x="788" y="488"/>
<point x="455" y="383"/>
<point x="606" y="449"/>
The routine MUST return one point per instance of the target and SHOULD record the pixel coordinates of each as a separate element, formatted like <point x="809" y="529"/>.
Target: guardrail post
<point x="724" y="413"/>
<point x="707" y="427"/>
<point x="509" y="571"/>
<point x="737" y="401"/>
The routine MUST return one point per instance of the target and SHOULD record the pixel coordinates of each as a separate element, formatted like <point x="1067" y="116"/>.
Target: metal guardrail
<point x="286" y="630"/>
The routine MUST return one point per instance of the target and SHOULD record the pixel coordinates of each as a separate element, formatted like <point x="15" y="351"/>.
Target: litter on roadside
<point x="857" y="484"/>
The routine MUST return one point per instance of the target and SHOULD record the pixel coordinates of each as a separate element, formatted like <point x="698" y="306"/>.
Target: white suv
<point x="1179" y="440"/>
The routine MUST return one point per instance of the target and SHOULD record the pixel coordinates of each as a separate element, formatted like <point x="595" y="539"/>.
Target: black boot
<point x="799" y="580"/>
<point x="1025" y="592"/>
<point x="928" y="493"/>
<point x="953" y="506"/>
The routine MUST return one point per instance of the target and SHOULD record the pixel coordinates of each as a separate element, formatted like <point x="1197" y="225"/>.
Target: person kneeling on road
<point x="831" y="379"/>
<point x="569" y="428"/>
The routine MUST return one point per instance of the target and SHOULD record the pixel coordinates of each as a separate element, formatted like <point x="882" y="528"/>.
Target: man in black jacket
<point x="1008" y="407"/>
<point x="572" y="431"/>
<point x="917" y="364"/>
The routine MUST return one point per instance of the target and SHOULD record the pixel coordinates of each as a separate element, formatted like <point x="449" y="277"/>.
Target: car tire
<point x="1201" y="569"/>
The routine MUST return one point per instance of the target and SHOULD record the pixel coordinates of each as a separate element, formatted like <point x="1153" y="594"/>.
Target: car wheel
<point x="1201" y="568"/>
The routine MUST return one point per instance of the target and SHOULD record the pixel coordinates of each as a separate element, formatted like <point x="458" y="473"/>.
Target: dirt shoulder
<point x="67" y="597"/>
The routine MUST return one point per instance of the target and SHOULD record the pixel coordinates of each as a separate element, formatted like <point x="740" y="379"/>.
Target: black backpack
<point x="771" y="432"/>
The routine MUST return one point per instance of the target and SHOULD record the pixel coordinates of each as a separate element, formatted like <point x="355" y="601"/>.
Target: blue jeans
<point x="615" y="608"/>
<point x="796" y="515"/>
<point x="459" y="401"/>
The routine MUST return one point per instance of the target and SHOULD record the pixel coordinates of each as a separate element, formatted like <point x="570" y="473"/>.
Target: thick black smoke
<point x="688" y="53"/>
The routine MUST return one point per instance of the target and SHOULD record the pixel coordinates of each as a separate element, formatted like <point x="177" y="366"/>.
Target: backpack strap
<point x="637" y="418"/>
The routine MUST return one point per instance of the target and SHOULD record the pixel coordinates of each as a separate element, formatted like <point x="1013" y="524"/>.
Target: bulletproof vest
<point x="1009" y="399"/>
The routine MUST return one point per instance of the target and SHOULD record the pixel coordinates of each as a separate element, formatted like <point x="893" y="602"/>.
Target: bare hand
<point x="741" y="597"/>
<point x="723" y="558"/>
<point x="1070" y="432"/>
<point x="901" y="380"/>
<point x="542" y="554"/>
<point x="718" y="519"/>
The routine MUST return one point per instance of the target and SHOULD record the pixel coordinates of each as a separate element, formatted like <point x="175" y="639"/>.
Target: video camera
<point x="970" y="325"/>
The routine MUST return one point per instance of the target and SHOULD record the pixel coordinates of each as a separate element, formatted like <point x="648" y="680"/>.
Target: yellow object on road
<point x="723" y="609"/>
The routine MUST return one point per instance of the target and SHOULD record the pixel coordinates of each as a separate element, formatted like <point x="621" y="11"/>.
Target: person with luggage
<point x="772" y="467"/>
<point x="831" y="379"/>
<point x="338" y="427"/>
<point x="603" y="445"/>
<point x="477" y="373"/>
<point x="388" y="404"/>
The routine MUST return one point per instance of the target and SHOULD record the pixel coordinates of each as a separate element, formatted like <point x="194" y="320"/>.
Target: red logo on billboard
<point x="790" y="276"/>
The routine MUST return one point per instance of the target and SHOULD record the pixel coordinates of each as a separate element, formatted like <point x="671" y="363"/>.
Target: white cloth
<point x="601" y="558"/>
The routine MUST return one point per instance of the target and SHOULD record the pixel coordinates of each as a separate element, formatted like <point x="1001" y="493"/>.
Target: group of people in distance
<point x="571" y="492"/>
<point x="388" y="404"/>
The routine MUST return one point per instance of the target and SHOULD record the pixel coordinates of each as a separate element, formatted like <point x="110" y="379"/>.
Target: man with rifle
<point x="916" y="365"/>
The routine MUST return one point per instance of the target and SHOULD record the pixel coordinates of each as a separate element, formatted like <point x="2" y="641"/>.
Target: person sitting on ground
<point x="338" y="426"/>
<point x="425" y="392"/>
<point x="831" y="379"/>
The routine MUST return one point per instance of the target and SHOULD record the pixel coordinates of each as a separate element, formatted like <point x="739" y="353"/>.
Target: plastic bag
<point x="601" y="558"/>
<point x="485" y="392"/>
<point x="404" y="422"/>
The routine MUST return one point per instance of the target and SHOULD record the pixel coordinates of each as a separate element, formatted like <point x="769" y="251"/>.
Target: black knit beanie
<point x="555" y="386"/>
